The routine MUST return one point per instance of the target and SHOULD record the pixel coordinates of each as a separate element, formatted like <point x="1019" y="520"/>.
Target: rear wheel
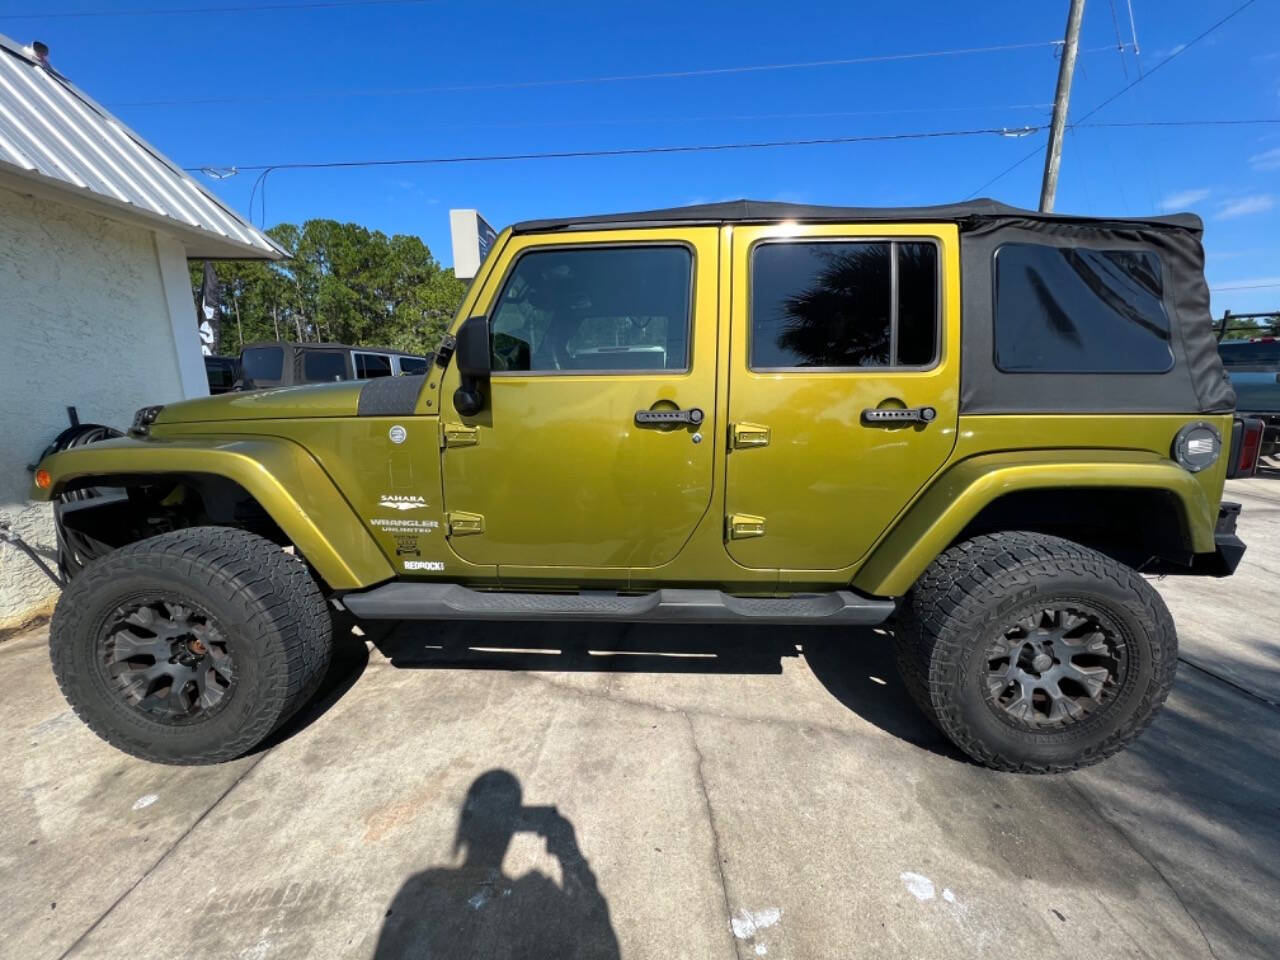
<point x="1035" y="654"/>
<point x="190" y="647"/>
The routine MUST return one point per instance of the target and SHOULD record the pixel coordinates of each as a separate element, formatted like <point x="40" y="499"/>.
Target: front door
<point x="587" y="330"/>
<point x="833" y="327"/>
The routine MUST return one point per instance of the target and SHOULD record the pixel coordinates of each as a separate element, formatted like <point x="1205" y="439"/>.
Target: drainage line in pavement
<point x="1231" y="683"/>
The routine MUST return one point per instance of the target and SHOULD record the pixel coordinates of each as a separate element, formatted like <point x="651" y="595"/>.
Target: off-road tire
<point x="967" y="595"/>
<point x="267" y="603"/>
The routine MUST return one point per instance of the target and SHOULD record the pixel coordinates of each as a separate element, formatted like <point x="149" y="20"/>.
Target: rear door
<point x="830" y="325"/>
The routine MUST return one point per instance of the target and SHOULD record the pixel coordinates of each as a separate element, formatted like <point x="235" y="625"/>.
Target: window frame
<point x="307" y="354"/>
<point x="280" y="351"/>
<point x="995" y="314"/>
<point x="939" y="307"/>
<point x="399" y="365"/>
<point x="355" y="367"/>
<point x="684" y="371"/>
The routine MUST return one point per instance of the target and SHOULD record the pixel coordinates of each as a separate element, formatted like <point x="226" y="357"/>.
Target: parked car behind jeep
<point x="1254" y="368"/>
<point x="284" y="364"/>
<point x="972" y="424"/>
<point x="222" y="373"/>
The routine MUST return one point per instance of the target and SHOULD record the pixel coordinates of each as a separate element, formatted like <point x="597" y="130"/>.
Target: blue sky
<point x="285" y="84"/>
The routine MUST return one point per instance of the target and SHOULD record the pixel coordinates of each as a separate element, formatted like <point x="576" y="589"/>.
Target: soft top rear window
<point x="1079" y="310"/>
<point x="262" y="363"/>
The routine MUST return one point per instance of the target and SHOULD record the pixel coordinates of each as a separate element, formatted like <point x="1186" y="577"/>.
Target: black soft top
<point x="767" y="211"/>
<point x="1196" y="383"/>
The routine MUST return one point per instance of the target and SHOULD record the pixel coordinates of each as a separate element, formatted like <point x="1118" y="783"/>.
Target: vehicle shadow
<point x="855" y="665"/>
<point x="858" y="669"/>
<point x="472" y="909"/>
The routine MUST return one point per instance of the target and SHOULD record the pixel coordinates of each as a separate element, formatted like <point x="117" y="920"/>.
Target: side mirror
<point x="471" y="354"/>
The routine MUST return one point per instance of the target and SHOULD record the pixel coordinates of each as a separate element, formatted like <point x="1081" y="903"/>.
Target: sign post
<point x="472" y="240"/>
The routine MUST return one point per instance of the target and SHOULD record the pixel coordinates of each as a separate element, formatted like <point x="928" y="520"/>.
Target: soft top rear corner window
<point x="1077" y="310"/>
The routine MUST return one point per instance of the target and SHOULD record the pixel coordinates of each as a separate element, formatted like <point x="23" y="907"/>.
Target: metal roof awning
<point x="57" y="142"/>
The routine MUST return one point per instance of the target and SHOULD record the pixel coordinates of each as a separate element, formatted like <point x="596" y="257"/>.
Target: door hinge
<point x="463" y="524"/>
<point x="743" y="526"/>
<point x="460" y="435"/>
<point x="750" y="435"/>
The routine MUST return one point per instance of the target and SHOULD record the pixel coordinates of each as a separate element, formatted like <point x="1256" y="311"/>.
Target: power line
<point x="629" y="151"/>
<point x="1123" y="90"/>
<point x="180" y="11"/>
<point x="223" y="171"/>
<point x="1179" y="123"/>
<point x="1115" y="22"/>
<point x="1247" y="286"/>
<point x="264" y="170"/>
<point x="268" y="168"/>
<point x="608" y="78"/>
<point x="672" y="119"/>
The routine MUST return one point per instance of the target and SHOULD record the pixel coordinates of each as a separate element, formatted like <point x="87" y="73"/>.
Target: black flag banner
<point x="209" y="321"/>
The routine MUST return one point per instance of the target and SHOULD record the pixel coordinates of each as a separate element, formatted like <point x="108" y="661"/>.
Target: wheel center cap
<point x="1042" y="662"/>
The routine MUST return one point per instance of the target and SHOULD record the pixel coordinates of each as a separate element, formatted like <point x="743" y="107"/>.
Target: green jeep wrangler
<point x="973" y="424"/>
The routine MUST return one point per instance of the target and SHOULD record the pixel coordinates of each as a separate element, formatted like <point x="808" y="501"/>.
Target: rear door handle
<point x="693" y="416"/>
<point x="888" y="416"/>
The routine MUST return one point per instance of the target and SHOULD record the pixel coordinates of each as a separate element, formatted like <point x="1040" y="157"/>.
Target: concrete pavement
<point x="536" y="790"/>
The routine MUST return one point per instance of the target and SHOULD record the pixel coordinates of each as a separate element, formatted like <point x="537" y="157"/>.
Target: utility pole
<point x="1061" y="100"/>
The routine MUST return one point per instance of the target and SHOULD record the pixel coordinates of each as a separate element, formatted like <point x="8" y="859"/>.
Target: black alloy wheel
<point x="168" y="659"/>
<point x="1055" y="667"/>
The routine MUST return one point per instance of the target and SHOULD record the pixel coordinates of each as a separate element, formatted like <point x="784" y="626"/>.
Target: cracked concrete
<point x="715" y="835"/>
<point x="688" y="792"/>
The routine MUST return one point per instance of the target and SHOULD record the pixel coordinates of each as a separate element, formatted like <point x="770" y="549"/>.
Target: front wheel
<point x="1034" y="654"/>
<point x="192" y="646"/>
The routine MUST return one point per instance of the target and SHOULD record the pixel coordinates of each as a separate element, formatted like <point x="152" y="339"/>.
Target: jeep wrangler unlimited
<point x="973" y="424"/>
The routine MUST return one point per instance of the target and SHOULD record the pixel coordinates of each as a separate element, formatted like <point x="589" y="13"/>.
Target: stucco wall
<point x="89" y="317"/>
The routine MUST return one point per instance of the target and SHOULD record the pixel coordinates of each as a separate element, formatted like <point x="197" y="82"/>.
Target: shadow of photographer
<point x="473" y="909"/>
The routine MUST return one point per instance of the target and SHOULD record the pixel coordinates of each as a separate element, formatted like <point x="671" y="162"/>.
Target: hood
<point x="277" y="403"/>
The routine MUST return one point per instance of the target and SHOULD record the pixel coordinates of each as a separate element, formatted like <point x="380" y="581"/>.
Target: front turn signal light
<point x="43" y="479"/>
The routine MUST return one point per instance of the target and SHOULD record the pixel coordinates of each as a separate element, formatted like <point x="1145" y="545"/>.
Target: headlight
<point x="1197" y="446"/>
<point x="144" y="418"/>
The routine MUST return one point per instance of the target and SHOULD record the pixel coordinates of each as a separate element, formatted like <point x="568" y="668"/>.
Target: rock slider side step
<point x="451" y="601"/>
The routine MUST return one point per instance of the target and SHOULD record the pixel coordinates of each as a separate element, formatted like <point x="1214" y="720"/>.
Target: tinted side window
<point x="844" y="304"/>
<point x="262" y="363"/>
<point x="324" y="365"/>
<point x="221" y="372"/>
<point x="620" y="309"/>
<point x="1072" y="310"/>
<point x="370" y="365"/>
<point x="412" y="365"/>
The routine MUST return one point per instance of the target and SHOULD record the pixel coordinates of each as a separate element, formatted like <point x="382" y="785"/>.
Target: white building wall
<point x="93" y="314"/>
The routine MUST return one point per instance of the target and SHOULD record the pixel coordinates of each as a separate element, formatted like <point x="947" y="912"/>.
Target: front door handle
<point x="888" y="416"/>
<point x="693" y="416"/>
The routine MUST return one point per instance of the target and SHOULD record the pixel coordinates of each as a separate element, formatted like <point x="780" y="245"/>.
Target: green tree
<point x="343" y="284"/>
<point x="1246" y="327"/>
